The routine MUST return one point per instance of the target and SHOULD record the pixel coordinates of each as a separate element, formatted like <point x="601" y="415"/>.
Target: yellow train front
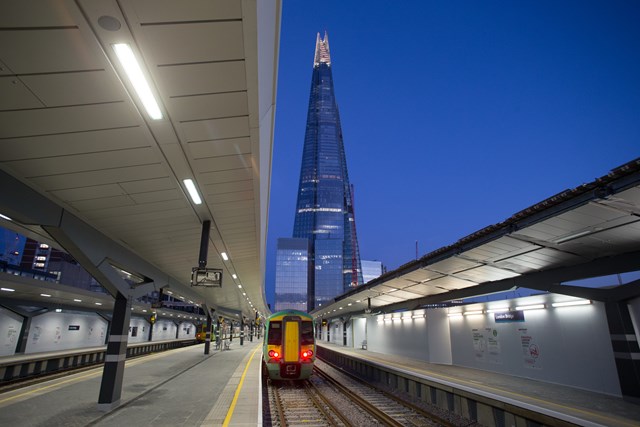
<point x="289" y="346"/>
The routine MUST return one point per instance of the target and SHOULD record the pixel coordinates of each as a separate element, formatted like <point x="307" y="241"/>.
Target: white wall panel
<point x="138" y="330"/>
<point x="62" y="331"/>
<point x="186" y="330"/>
<point x="10" y="325"/>
<point x="164" y="330"/>
<point x="569" y="345"/>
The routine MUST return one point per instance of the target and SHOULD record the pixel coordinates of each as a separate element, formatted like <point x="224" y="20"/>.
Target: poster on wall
<point x="530" y="350"/>
<point x="493" y="346"/>
<point x="478" y="344"/>
<point x="12" y="336"/>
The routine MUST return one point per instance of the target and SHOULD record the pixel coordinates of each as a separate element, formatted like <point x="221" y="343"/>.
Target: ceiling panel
<point x="209" y="106"/>
<point x="227" y="187"/>
<point x="72" y="143"/>
<point x="84" y="162"/>
<point x="452" y="265"/>
<point x="486" y="273"/>
<point x="50" y="50"/>
<point x="227" y="175"/>
<point x="173" y="43"/>
<point x="15" y="95"/>
<point x="67" y="119"/>
<point x="220" y="147"/>
<point x="205" y="130"/>
<point x="87" y="193"/>
<point x="87" y="87"/>
<point x="194" y="79"/>
<point x="99" y="177"/>
<point x="172" y="11"/>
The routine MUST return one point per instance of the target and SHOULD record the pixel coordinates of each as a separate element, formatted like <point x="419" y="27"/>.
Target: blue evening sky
<point x="457" y="114"/>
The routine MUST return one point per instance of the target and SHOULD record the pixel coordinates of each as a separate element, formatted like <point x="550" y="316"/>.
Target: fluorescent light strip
<point x="137" y="79"/>
<point x="224" y="256"/>
<point x="498" y="309"/>
<point x="5" y="217"/>
<point x="234" y="275"/>
<point x="193" y="192"/>
<point x="530" y="307"/>
<point x="455" y="314"/>
<point x="45" y="295"/>
<point x="7" y="289"/>
<point x="571" y="303"/>
<point x="471" y="313"/>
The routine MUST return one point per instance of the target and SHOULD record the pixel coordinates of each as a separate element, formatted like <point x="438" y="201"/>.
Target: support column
<point x="242" y="331"/>
<point x="113" y="373"/>
<point x="207" y="339"/>
<point x="625" y="348"/>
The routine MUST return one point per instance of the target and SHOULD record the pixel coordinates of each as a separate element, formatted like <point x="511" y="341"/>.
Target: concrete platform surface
<point x="583" y="407"/>
<point x="177" y="387"/>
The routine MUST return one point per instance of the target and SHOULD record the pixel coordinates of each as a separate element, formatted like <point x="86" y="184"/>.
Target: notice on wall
<point x="12" y="336"/>
<point x="486" y="345"/>
<point x="530" y="350"/>
<point x="479" y="344"/>
<point x="493" y="346"/>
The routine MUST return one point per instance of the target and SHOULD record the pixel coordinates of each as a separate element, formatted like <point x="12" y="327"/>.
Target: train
<point x="289" y="348"/>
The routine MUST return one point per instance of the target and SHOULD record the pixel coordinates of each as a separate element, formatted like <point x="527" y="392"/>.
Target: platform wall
<point x="10" y="325"/>
<point x="569" y="345"/>
<point x="138" y="330"/>
<point x="164" y="330"/>
<point x="62" y="331"/>
<point x="634" y="310"/>
<point x="186" y="330"/>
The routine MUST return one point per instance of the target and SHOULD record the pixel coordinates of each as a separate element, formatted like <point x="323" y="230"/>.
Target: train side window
<point x="306" y="333"/>
<point x="275" y="333"/>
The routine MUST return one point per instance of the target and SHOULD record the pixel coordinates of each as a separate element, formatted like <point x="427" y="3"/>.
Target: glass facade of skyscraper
<point x="292" y="274"/>
<point x="324" y="211"/>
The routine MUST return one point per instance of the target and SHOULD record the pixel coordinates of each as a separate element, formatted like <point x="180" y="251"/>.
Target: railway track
<point x="332" y="398"/>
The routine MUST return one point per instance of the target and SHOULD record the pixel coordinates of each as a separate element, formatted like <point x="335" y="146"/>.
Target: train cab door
<point x="291" y="347"/>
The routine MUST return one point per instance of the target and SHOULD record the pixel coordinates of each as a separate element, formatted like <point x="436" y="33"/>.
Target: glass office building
<point x="292" y="274"/>
<point x="324" y="211"/>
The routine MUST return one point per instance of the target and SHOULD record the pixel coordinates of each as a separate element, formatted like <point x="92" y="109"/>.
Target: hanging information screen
<point x="209" y="277"/>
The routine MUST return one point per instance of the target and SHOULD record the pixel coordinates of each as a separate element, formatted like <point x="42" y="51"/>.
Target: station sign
<point x="509" y="316"/>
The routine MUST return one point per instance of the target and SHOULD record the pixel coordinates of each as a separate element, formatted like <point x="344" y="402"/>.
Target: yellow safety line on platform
<point x="227" y="419"/>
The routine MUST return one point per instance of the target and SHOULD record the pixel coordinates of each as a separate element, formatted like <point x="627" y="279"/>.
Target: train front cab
<point x="290" y="347"/>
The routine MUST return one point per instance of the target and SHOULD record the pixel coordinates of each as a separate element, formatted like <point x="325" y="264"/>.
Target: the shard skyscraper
<point x="324" y="212"/>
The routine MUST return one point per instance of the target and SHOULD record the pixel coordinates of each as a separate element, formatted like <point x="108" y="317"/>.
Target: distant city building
<point x="371" y="270"/>
<point x="292" y="274"/>
<point x="11" y="246"/>
<point x="324" y="211"/>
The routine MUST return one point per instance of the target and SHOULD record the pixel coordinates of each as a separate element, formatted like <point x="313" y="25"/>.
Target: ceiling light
<point x="5" y="217"/>
<point x="137" y="79"/>
<point x="530" y="307"/>
<point x="7" y="289"/>
<point x="77" y="300"/>
<point x="234" y="275"/>
<point x="193" y="192"/>
<point x="471" y="313"/>
<point x="98" y="303"/>
<point x="45" y="295"/>
<point x="224" y="256"/>
<point x="572" y="303"/>
<point x="455" y="314"/>
<point x="417" y="316"/>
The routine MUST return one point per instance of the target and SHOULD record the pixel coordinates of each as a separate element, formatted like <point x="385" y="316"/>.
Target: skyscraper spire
<point x="322" y="51"/>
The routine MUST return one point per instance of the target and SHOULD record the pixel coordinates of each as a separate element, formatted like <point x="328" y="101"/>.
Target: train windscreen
<point x="275" y="333"/>
<point x="306" y="333"/>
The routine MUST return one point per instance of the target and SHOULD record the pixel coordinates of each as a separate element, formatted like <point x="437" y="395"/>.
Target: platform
<point x="570" y="404"/>
<point x="177" y="387"/>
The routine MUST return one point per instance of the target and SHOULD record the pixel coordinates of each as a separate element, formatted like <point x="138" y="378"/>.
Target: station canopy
<point x="82" y="149"/>
<point x="589" y="231"/>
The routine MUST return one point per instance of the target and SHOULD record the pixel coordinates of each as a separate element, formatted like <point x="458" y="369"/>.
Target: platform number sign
<point x="208" y="277"/>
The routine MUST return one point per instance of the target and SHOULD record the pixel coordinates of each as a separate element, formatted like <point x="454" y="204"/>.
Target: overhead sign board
<point x="208" y="277"/>
<point x="509" y="316"/>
